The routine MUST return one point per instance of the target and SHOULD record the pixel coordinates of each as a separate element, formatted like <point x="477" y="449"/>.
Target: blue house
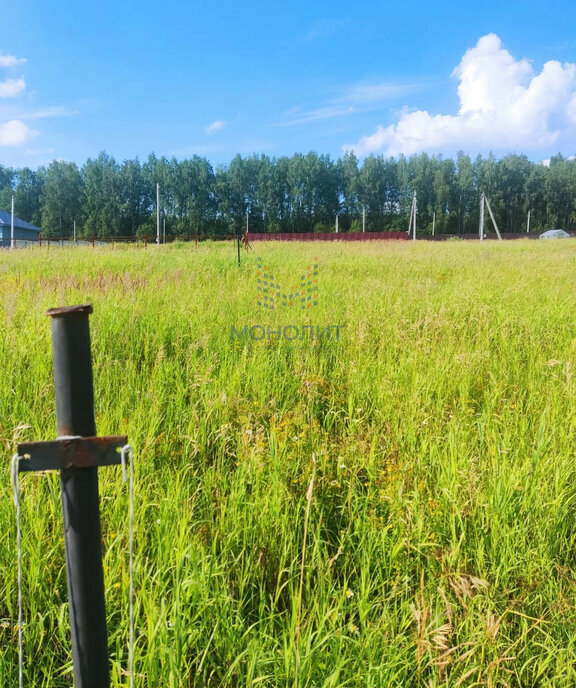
<point x="23" y="231"/>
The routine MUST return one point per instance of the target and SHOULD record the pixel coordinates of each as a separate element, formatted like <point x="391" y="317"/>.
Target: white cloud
<point x="10" y="60"/>
<point x="546" y="163"/>
<point x="503" y="105"/>
<point x="215" y="126"/>
<point x="15" y="118"/>
<point x="15" y="133"/>
<point x="11" y="87"/>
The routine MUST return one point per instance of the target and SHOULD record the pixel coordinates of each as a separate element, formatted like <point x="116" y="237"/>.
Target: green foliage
<point x="102" y="200"/>
<point x="28" y="194"/>
<point x="6" y="188"/>
<point x="135" y="198"/>
<point x="61" y="199"/>
<point x="292" y="194"/>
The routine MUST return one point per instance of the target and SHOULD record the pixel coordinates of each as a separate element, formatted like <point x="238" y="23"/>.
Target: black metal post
<point x="80" y="501"/>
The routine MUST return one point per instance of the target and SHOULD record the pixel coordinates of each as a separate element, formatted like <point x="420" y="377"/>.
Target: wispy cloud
<point x="297" y="116"/>
<point x="53" y="111"/>
<point x="325" y="28"/>
<point x="12" y="88"/>
<point x="200" y="149"/>
<point x="215" y="126"/>
<point x="564" y="45"/>
<point x="39" y="151"/>
<point x="10" y="60"/>
<point x="255" y="146"/>
<point x="365" y="93"/>
<point x="352" y="100"/>
<point x="503" y="106"/>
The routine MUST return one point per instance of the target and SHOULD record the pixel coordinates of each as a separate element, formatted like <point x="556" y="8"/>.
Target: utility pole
<point x="12" y="225"/>
<point x="336" y="223"/>
<point x="164" y="230"/>
<point x="412" y="221"/>
<point x="528" y="223"/>
<point x="433" y="222"/>
<point x="363" y="219"/>
<point x="74" y="231"/>
<point x="158" y="214"/>
<point x="481" y="227"/>
<point x="415" y="203"/>
<point x="492" y="218"/>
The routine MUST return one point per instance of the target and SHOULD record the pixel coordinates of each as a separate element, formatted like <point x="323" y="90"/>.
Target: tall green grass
<point x="435" y="545"/>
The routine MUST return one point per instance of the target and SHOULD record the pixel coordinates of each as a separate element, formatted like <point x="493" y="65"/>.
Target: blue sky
<point x="221" y="78"/>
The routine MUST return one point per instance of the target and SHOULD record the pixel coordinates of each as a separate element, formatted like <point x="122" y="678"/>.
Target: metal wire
<point x="126" y="457"/>
<point x="16" y="490"/>
<point x="127" y="452"/>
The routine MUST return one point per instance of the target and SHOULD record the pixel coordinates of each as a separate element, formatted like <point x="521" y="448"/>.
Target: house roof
<point x="5" y="219"/>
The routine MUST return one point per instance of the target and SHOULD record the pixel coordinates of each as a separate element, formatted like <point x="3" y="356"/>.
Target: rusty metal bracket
<point x="76" y="452"/>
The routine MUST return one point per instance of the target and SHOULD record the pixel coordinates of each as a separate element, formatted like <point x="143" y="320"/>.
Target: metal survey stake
<point x="77" y="453"/>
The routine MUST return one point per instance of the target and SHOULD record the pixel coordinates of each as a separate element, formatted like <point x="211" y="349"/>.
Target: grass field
<point x="396" y="508"/>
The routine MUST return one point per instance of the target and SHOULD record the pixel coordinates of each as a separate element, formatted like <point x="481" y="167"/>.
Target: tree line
<point x="302" y="193"/>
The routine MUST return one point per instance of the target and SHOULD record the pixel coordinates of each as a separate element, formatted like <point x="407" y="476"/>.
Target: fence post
<point x="80" y="502"/>
<point x="77" y="453"/>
